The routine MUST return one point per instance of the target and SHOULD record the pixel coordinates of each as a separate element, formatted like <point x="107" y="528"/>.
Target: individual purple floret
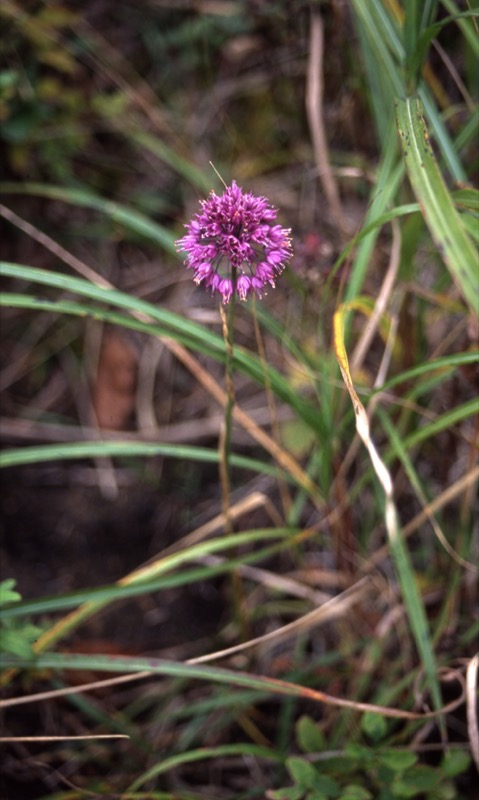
<point x="232" y="246"/>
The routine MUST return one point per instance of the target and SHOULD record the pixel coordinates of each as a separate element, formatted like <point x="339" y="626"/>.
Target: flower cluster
<point x="232" y="245"/>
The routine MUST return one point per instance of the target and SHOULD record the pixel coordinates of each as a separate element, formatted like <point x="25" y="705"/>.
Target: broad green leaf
<point x="18" y="639"/>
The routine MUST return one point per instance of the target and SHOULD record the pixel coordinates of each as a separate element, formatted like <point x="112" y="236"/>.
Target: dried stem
<point x="314" y="108"/>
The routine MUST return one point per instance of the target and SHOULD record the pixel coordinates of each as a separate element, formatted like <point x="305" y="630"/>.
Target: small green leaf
<point x="302" y="772"/>
<point x="455" y="763"/>
<point x="309" y="736"/>
<point x="374" y="726"/>
<point x="360" y="752"/>
<point x="7" y="595"/>
<point x="355" y="792"/>
<point x="397" y="760"/>
<point x="326" y="786"/>
<point x="416" y="781"/>
<point x="288" y="793"/>
<point x="18" y="641"/>
<point x="445" y="791"/>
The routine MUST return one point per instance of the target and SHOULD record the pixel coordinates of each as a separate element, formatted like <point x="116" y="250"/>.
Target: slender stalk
<point x="225" y="436"/>
<point x="225" y="450"/>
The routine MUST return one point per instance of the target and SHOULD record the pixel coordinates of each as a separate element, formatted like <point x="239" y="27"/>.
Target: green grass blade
<point x="202" y="754"/>
<point x="168" y="323"/>
<point x="98" y="449"/>
<point x="444" y="366"/>
<point x="115" y="449"/>
<point x="181" y="165"/>
<point x="436" y="202"/>
<point x="130" y="219"/>
<point x="184" y="577"/>
<point x="191" y="671"/>
<point x="416" y="615"/>
<point x="389" y="178"/>
<point x="381" y="32"/>
<point x="423" y="43"/>
<point x="411" y="30"/>
<point x="444" y="422"/>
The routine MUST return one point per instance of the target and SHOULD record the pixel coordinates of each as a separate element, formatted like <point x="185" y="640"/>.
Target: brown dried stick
<point x="314" y="109"/>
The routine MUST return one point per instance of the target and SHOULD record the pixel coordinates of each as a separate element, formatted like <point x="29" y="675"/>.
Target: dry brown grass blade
<point x="332" y="609"/>
<point x="381" y="303"/>
<point x="68" y="690"/>
<point x="79" y="738"/>
<point x="314" y="107"/>
<point x="55" y="248"/>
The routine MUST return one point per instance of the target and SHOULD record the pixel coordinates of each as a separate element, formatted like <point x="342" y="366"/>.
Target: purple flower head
<point x="232" y="246"/>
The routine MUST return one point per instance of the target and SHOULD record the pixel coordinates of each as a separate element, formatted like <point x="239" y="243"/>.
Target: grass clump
<point x="244" y="543"/>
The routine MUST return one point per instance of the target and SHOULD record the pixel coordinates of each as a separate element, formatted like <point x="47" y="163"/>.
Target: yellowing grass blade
<point x="444" y="222"/>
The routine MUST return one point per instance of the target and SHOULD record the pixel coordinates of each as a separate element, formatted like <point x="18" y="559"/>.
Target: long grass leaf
<point x="385" y="43"/>
<point x="190" y="671"/>
<point x="124" y="449"/>
<point x="435" y="200"/>
<point x="115" y="592"/>
<point x="132" y="220"/>
<point x="203" y="754"/>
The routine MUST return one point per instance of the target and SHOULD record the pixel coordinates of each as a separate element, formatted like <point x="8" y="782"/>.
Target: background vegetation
<point x="314" y="636"/>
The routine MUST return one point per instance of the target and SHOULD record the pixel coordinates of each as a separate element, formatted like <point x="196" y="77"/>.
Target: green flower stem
<point x="225" y="438"/>
<point x="225" y="450"/>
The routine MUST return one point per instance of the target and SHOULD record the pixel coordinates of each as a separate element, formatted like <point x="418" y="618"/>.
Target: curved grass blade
<point x="203" y="754"/>
<point x="168" y="323"/>
<point x="162" y="564"/>
<point x="132" y="220"/>
<point x="437" y="206"/>
<point x="419" y="54"/>
<point x="114" y="592"/>
<point x="115" y="449"/>
<point x="181" y="165"/>
<point x="191" y="671"/>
